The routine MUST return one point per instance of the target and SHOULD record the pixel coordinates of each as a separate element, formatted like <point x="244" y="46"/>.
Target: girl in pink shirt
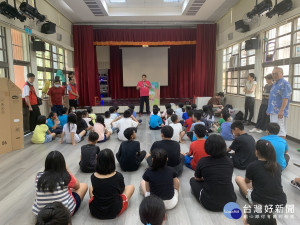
<point x="100" y="128"/>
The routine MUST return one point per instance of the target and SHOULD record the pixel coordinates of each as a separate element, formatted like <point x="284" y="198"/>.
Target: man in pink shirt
<point x="144" y="86"/>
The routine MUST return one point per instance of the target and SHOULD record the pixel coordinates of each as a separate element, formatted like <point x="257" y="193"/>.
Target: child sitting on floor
<point x="124" y="123"/>
<point x="53" y="123"/>
<point x="92" y="115"/>
<point x="87" y="119"/>
<point x="175" y="157"/>
<point x="107" y="122"/>
<point x="109" y="196"/>
<point x="185" y="115"/>
<point x="197" y="150"/>
<point x="41" y="133"/>
<point x="164" y="114"/>
<point x="225" y="127"/>
<point x="54" y="213"/>
<point x="81" y="124"/>
<point x="170" y="112"/>
<point x="161" y="180"/>
<point x="177" y="127"/>
<point x="69" y="131"/>
<point x="152" y="211"/>
<point x="179" y="111"/>
<point x="296" y="183"/>
<point x="130" y="155"/>
<point x="72" y="110"/>
<point x="99" y="127"/>
<point x="194" y="107"/>
<point x="189" y="121"/>
<point x="113" y="114"/>
<point x="262" y="183"/>
<point x="197" y="116"/>
<point x="63" y="119"/>
<point x="280" y="145"/>
<point x="155" y="121"/>
<point x="57" y="184"/>
<point x="133" y="112"/>
<point x="158" y="110"/>
<point x="243" y="146"/>
<point x="89" y="154"/>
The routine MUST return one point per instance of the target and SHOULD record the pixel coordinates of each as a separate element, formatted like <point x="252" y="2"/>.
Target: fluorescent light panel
<point x="171" y="0"/>
<point x="117" y="1"/>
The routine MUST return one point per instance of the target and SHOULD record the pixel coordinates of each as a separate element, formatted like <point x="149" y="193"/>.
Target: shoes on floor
<point x="247" y="123"/>
<point x="295" y="184"/>
<point x="259" y="131"/>
<point x="253" y="130"/>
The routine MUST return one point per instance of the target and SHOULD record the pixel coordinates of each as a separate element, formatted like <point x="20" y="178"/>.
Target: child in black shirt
<point x="175" y="157"/>
<point x="109" y="195"/>
<point x="130" y="155"/>
<point x="262" y="183"/>
<point x="212" y="183"/>
<point x="161" y="180"/>
<point x="89" y="154"/>
<point x="243" y="146"/>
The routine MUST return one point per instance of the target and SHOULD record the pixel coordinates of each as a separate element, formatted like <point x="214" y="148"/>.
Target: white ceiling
<point x="143" y="12"/>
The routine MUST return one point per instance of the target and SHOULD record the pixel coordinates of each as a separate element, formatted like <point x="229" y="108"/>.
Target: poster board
<point x="154" y="94"/>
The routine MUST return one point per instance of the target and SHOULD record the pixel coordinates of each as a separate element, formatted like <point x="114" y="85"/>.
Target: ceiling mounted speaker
<point x="252" y="44"/>
<point x="240" y="26"/>
<point x="48" y="28"/>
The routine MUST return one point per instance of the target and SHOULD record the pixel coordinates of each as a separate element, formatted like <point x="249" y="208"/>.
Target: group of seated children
<point x="209" y="157"/>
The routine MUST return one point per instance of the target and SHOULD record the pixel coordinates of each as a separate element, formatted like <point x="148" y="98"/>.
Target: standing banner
<point x="154" y="94"/>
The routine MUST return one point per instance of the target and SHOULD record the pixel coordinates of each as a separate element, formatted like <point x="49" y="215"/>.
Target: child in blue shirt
<point x="133" y="112"/>
<point x="226" y="126"/>
<point x="155" y="120"/>
<point x="280" y="145"/>
<point x="63" y="119"/>
<point x="54" y="124"/>
<point x="185" y="115"/>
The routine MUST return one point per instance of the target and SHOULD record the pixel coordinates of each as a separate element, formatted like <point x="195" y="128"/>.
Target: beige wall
<point x="226" y="25"/>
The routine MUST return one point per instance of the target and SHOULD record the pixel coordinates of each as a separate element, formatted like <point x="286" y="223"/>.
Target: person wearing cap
<point x="216" y="102"/>
<point x="56" y="96"/>
<point x="30" y="98"/>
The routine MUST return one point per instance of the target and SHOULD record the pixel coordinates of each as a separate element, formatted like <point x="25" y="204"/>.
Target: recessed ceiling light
<point x="117" y="1"/>
<point x="171" y="0"/>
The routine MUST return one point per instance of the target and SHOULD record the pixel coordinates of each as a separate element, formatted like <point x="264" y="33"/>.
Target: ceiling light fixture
<point x="260" y="8"/>
<point x="10" y="11"/>
<point x="31" y="12"/>
<point x="168" y="1"/>
<point x="281" y="8"/>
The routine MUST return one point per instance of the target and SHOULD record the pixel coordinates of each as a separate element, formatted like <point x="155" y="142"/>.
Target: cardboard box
<point x="11" y="117"/>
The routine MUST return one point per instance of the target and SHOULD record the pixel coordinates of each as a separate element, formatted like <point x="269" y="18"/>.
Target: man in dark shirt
<point x="243" y="146"/>
<point x="130" y="155"/>
<point x="89" y="154"/>
<point x="215" y="102"/>
<point x="175" y="157"/>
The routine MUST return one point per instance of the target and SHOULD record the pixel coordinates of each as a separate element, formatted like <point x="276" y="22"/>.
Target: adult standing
<point x="56" y="97"/>
<point x="249" y="90"/>
<point x="30" y="97"/>
<point x="215" y="102"/>
<point x="263" y="119"/>
<point x="73" y="94"/>
<point x="143" y="86"/>
<point x="278" y="105"/>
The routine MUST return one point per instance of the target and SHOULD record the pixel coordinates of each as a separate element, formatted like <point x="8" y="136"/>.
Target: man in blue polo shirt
<point x="279" y="100"/>
<point x="280" y="145"/>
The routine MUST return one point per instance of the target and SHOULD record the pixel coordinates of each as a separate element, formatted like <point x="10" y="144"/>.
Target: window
<point x="237" y="64"/>
<point x="3" y="53"/>
<point x="20" y="50"/>
<point x="48" y="63"/>
<point x="284" y="43"/>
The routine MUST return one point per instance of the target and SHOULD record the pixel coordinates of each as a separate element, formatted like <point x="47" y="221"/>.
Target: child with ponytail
<point x="161" y="180"/>
<point x="262" y="183"/>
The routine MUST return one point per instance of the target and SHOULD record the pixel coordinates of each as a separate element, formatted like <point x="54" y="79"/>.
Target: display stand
<point x="154" y="94"/>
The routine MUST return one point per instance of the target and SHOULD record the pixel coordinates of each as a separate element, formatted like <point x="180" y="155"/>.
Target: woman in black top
<point x="212" y="184"/>
<point x="109" y="195"/>
<point x="262" y="183"/>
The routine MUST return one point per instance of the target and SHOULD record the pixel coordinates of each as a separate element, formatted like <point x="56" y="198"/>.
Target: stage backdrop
<point x="191" y="59"/>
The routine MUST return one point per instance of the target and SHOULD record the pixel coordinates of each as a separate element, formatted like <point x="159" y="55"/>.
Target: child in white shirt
<point x="177" y="127"/>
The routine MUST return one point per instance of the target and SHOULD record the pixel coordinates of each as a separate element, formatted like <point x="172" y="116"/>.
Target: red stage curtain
<point x="205" y="60"/>
<point x="85" y="62"/>
<point x="181" y="74"/>
<point x="116" y="89"/>
<point x="140" y="35"/>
